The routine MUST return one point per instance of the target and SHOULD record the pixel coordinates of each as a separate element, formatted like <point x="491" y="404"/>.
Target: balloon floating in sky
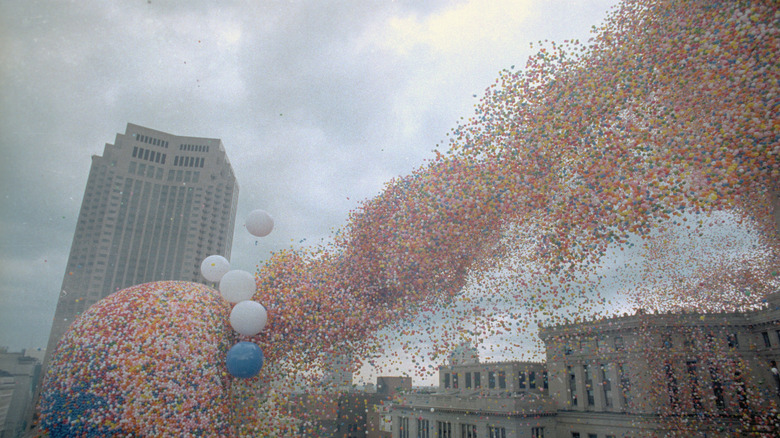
<point x="214" y="267"/>
<point x="248" y="317"/>
<point x="259" y="223"/>
<point x="237" y="285"/>
<point x="244" y="360"/>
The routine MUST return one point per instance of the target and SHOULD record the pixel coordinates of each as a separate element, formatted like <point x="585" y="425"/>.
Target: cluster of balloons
<point x="248" y="317"/>
<point x="666" y="117"/>
<point x="144" y="361"/>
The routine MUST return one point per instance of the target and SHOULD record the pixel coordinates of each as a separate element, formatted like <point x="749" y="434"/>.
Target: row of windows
<point x="142" y="169"/>
<point x="603" y="378"/>
<point x="732" y="340"/>
<point x="148" y="155"/>
<point x="151" y="140"/>
<point x="444" y="430"/>
<point x="183" y="175"/>
<point x="495" y="380"/>
<point x="590" y="435"/>
<point x="188" y="161"/>
<point x="193" y="147"/>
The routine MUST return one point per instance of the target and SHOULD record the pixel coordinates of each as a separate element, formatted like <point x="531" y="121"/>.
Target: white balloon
<point x="248" y="317"/>
<point x="259" y="223"/>
<point x="237" y="285"/>
<point x="214" y="267"/>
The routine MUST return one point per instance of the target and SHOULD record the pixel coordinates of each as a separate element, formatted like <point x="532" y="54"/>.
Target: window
<point x="589" y="386"/>
<point x="443" y="429"/>
<point x="606" y="385"/>
<point x="455" y="380"/>
<point x="765" y="336"/>
<point x="545" y="380"/>
<point x="403" y="429"/>
<point x="468" y="380"/>
<point x="447" y="380"/>
<point x="575" y="435"/>
<point x="502" y="380"/>
<point x="532" y="379"/>
<point x="625" y="385"/>
<point x="618" y="343"/>
<point x="468" y="431"/>
<point x="496" y="432"/>
<point x="477" y="383"/>
<point x="671" y="385"/>
<point x="732" y="340"/>
<point x="694" y="383"/>
<point x="491" y="379"/>
<point x="572" y="385"/>
<point x="717" y="387"/>
<point x="592" y="435"/>
<point x="521" y="380"/>
<point x="423" y="428"/>
<point x="537" y="432"/>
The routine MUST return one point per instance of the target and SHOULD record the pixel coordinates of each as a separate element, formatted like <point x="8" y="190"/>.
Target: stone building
<point x="154" y="207"/>
<point x="643" y="375"/>
<point x="473" y="399"/>
<point x="19" y="375"/>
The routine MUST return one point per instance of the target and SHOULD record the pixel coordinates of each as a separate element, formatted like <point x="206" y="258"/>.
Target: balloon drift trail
<point x="666" y="116"/>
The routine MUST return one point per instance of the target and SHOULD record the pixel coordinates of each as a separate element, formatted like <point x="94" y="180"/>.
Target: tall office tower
<point x="155" y="206"/>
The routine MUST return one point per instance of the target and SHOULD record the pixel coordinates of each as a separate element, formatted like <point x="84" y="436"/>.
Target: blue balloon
<point x="244" y="360"/>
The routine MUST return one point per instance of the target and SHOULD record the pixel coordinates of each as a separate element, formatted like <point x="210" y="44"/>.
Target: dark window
<point x="491" y="379"/>
<point x="532" y="379"/>
<point x="496" y="432"/>
<point x="545" y="382"/>
<point x="606" y="384"/>
<point x="589" y="386"/>
<point x="455" y="380"/>
<point x="468" y="431"/>
<point x="521" y="380"/>
<point x="732" y="340"/>
<point x="423" y="428"/>
<point x="444" y="429"/>
<point x="618" y="342"/>
<point x="477" y="383"/>
<point x="572" y="385"/>
<point x="671" y="385"/>
<point x="468" y="380"/>
<point x="694" y="380"/>
<point x="135" y="151"/>
<point x="765" y="336"/>
<point x="717" y="387"/>
<point x="447" y="380"/>
<point x="501" y="380"/>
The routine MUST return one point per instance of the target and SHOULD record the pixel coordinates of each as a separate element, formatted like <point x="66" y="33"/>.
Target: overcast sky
<point x="318" y="105"/>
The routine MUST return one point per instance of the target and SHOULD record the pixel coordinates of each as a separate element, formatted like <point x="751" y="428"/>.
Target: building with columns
<point x="641" y="375"/>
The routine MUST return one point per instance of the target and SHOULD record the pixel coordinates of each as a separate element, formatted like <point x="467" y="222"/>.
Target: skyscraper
<point x="154" y="207"/>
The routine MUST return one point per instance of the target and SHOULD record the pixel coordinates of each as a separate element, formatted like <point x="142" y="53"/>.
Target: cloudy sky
<point x="318" y="104"/>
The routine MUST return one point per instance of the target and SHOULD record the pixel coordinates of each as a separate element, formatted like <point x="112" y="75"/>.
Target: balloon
<point x="237" y="285"/>
<point x="259" y="223"/>
<point x="214" y="267"/>
<point x="248" y="317"/>
<point x="244" y="360"/>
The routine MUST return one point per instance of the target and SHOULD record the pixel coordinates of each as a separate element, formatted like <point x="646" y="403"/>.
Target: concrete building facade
<point x="154" y="207"/>
<point x="19" y="376"/>
<point x="642" y="375"/>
